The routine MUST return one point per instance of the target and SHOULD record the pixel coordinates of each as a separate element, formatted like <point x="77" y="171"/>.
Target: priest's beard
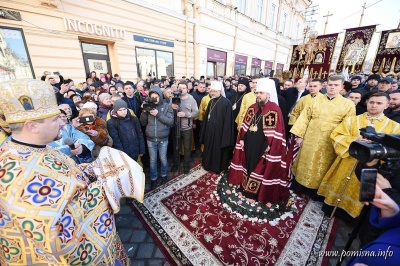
<point x="261" y="104"/>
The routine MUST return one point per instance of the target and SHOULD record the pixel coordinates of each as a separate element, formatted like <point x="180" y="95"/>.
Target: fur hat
<point x="118" y="104"/>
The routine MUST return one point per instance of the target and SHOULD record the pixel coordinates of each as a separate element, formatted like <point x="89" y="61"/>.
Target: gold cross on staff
<point x="324" y="74"/>
<point x="269" y="119"/>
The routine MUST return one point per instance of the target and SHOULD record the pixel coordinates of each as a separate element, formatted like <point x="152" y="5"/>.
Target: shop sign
<point x="255" y="62"/>
<point x="139" y="38"/>
<point x="216" y="56"/>
<point x="268" y="64"/>
<point x="240" y="60"/>
<point x="93" y="28"/>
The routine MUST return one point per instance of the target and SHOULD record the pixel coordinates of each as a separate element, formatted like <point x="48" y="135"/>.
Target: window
<point x="15" y="61"/>
<point x="259" y="10"/>
<point x="271" y="21"/>
<point x="241" y="6"/>
<point x="284" y="21"/>
<point x="155" y="63"/>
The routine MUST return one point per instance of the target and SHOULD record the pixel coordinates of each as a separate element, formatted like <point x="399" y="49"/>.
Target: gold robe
<point x="203" y="107"/>
<point x="248" y="100"/>
<point x="335" y="179"/>
<point x="55" y="212"/>
<point x="315" y="125"/>
<point x="300" y="105"/>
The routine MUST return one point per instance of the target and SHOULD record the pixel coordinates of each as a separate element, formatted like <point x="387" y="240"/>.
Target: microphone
<point x="70" y="143"/>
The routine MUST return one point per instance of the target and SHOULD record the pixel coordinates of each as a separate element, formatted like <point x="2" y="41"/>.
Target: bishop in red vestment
<point x="258" y="164"/>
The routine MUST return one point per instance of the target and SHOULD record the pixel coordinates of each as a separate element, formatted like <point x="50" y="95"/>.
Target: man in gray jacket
<point x="186" y="111"/>
<point x="157" y="122"/>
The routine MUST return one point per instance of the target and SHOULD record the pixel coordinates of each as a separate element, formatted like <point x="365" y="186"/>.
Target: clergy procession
<point x="247" y="168"/>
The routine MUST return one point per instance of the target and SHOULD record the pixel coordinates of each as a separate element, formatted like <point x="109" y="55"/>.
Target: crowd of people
<point x="268" y="136"/>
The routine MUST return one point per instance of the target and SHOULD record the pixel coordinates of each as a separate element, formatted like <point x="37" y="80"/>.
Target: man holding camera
<point x="157" y="122"/>
<point x="186" y="110"/>
<point x="348" y="131"/>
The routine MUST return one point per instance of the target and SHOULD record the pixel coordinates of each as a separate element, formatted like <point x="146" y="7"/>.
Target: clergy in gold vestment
<point x="313" y="129"/>
<point x="248" y="100"/>
<point x="314" y="88"/>
<point x="347" y="132"/>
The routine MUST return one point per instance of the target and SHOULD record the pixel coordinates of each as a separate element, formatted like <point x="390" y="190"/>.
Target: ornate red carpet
<point x="192" y="227"/>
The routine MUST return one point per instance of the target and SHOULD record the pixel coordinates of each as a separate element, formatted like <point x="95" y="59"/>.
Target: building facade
<point x="139" y="38"/>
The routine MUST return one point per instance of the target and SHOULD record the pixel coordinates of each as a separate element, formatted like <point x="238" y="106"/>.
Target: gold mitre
<point x="27" y="100"/>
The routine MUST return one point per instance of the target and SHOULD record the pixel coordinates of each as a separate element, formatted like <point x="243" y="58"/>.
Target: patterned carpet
<point x="193" y="227"/>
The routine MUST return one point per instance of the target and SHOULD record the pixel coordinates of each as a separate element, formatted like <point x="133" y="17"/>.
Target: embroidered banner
<point x="354" y="49"/>
<point x="387" y="59"/>
<point x="316" y="54"/>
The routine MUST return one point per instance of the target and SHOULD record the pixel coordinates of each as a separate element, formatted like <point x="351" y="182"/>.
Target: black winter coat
<point x="126" y="134"/>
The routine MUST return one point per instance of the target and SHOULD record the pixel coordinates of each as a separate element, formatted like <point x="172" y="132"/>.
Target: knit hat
<point x="118" y="104"/>
<point x="103" y="96"/>
<point x="374" y="76"/>
<point x="118" y="85"/>
<point x="356" y="77"/>
<point x="90" y="105"/>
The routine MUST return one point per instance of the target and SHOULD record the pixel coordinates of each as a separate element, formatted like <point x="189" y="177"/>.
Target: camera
<point x="86" y="119"/>
<point x="176" y="97"/>
<point x="384" y="147"/>
<point x="149" y="103"/>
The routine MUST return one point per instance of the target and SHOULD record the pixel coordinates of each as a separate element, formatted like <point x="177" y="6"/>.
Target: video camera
<point x="176" y="97"/>
<point x="384" y="147"/>
<point x="149" y="103"/>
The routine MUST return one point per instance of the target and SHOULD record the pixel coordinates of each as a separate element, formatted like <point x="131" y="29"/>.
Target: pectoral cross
<point x="269" y="120"/>
<point x="324" y="74"/>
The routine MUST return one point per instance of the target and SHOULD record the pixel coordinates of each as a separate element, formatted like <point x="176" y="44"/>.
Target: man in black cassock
<point x="217" y="131"/>
<point x="236" y="100"/>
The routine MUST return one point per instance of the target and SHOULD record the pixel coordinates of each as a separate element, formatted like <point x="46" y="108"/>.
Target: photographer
<point x="157" y="122"/>
<point x="347" y="132"/>
<point x="186" y="109"/>
<point x="389" y="183"/>
<point x="386" y="249"/>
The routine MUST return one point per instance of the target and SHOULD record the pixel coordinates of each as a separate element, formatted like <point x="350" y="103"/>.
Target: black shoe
<point x="164" y="179"/>
<point x="153" y="184"/>
<point x="174" y="168"/>
<point x="186" y="169"/>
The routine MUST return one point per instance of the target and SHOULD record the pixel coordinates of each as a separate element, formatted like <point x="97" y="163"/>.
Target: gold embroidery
<point x="270" y="120"/>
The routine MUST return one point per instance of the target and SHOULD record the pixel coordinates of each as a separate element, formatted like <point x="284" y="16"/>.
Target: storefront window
<point x="14" y="57"/>
<point x="255" y="67"/>
<point x="154" y="63"/>
<point x="216" y="63"/>
<point x="240" y="64"/>
<point x="268" y="67"/>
